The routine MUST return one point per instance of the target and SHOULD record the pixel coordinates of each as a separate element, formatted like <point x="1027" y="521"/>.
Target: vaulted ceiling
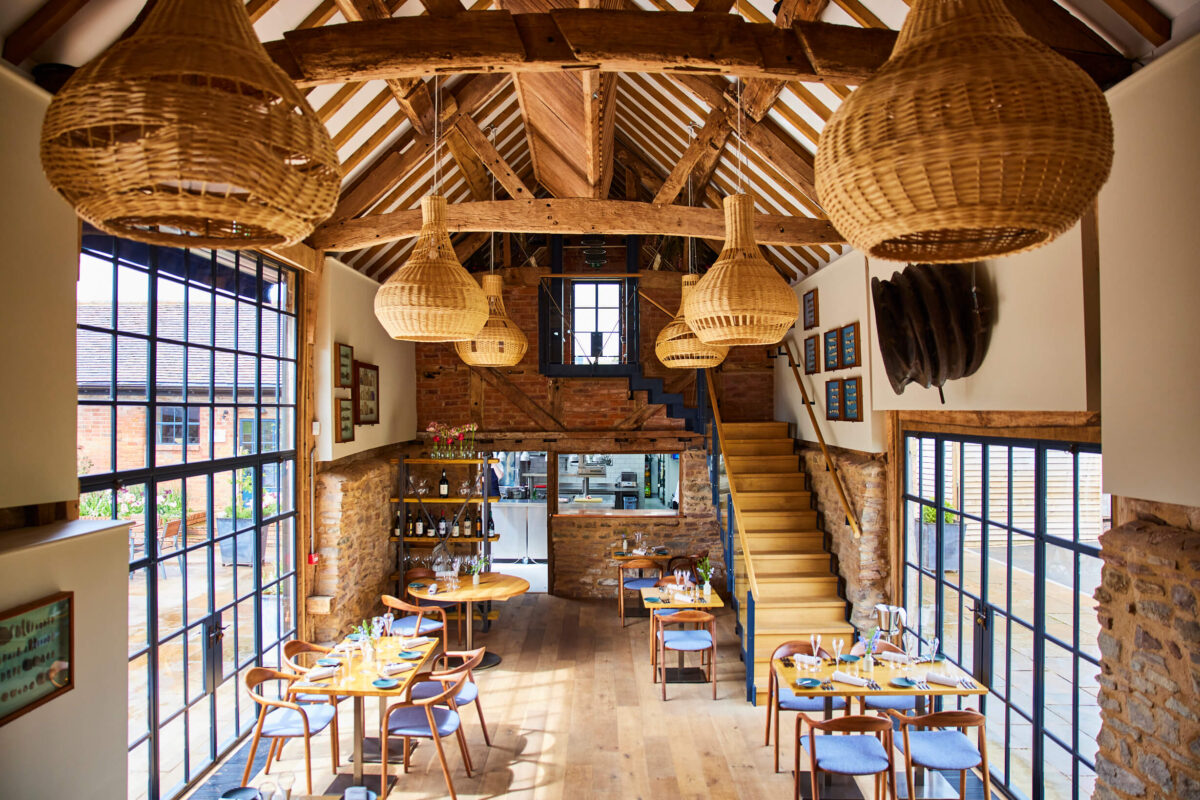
<point x="662" y="137"/>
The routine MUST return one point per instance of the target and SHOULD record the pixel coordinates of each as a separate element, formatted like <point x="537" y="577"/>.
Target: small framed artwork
<point x="812" y="361"/>
<point x="37" y="644"/>
<point x="811" y="317"/>
<point x="849" y="336"/>
<point x="343" y="367"/>
<point x="833" y="399"/>
<point x="833" y="350"/>
<point x="851" y="399"/>
<point x="345" y="420"/>
<point x="366" y="393"/>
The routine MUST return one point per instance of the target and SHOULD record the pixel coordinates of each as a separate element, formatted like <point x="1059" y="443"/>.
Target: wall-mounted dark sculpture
<point x="933" y="325"/>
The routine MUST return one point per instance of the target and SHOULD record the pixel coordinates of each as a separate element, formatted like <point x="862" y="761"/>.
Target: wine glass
<point x="267" y="790"/>
<point x="838" y="644"/>
<point x="286" y="781"/>
<point x="464" y="489"/>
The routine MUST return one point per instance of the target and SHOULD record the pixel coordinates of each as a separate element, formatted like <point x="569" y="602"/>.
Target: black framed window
<point x="1001" y="558"/>
<point x="178" y="353"/>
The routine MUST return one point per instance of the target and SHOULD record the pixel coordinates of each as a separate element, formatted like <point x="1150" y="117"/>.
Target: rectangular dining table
<point x="665" y="597"/>
<point x="965" y="685"/>
<point x="354" y="680"/>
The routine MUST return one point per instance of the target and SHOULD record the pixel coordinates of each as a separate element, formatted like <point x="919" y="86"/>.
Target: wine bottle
<point x="467" y="525"/>
<point x="456" y="531"/>
<point x="478" y="524"/>
<point x="398" y="527"/>
<point x="491" y="527"/>
<point x="443" y="486"/>
<point x="419" y="526"/>
<point x="442" y="525"/>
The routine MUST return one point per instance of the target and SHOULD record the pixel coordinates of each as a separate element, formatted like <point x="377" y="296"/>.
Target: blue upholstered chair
<point x="295" y="653"/>
<point x="434" y="717"/>
<point x="636" y="584"/>
<point x="283" y="719"/>
<point x="412" y="622"/>
<point x="943" y="749"/>
<point x="781" y="697"/>
<point x="865" y="749"/>
<point x="468" y="694"/>
<point x="701" y="639"/>
<point x="429" y="576"/>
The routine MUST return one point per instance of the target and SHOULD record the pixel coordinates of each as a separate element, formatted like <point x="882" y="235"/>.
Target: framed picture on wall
<point x="343" y="366"/>
<point x="833" y="399"/>
<point x="833" y="350"/>
<point x="345" y="420"/>
<point x="849" y="337"/>
<point x="812" y="360"/>
<point x="37" y="654"/>
<point x="811" y="317"/>
<point x="366" y="393"/>
<point x="851" y="400"/>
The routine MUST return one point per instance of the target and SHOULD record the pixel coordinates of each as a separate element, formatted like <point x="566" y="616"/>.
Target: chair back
<point x="685" y="563"/>
<point x="669" y="580"/>
<point x="471" y="659"/>
<point x="685" y="616"/>
<point x="400" y="605"/>
<point x="881" y="646"/>
<point x="257" y="676"/>
<point x="450" y="688"/>
<point x="297" y="647"/>
<point x="966" y="718"/>
<point x="855" y="723"/>
<point x="639" y="563"/>
<point x="797" y="647"/>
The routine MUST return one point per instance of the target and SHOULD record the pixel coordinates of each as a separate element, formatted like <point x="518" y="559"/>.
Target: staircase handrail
<point x="851" y="519"/>
<point x="737" y="514"/>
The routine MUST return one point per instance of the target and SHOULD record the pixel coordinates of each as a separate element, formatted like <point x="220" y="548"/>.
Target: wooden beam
<point x="708" y="142"/>
<point x="759" y="94"/>
<point x="442" y="8"/>
<point x="599" y="110"/>
<point x="43" y="23"/>
<point x="489" y="157"/>
<point x="256" y="9"/>
<point x="1152" y="24"/>
<point x="1054" y="26"/>
<point x="497" y="380"/>
<point x="571" y="215"/>
<point x="713" y="7"/>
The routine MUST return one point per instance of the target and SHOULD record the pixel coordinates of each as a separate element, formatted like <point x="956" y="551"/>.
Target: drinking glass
<point x="286" y="781"/>
<point x="267" y="790"/>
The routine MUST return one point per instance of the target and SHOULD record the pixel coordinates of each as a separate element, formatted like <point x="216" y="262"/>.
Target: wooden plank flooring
<point x="573" y="714"/>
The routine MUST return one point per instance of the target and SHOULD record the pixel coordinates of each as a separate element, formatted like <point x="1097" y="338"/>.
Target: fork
<point x="967" y="683"/>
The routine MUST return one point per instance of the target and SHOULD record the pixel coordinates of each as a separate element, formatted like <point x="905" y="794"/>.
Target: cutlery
<point x="967" y="683"/>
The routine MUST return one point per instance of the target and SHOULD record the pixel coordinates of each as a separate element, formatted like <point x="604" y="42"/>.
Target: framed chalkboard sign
<point x="849" y="338"/>
<point x="833" y="350"/>
<point x="851" y="400"/>
<point x="812" y="361"/>
<point x="811" y="317"/>
<point x="36" y="654"/>
<point x="833" y="399"/>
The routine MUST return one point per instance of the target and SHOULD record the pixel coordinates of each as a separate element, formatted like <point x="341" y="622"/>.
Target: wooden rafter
<point x="43" y="23"/>
<point x="256" y="9"/>
<point x="571" y="215"/>
<point x="759" y="94"/>
<point x="705" y="147"/>
<point x="599" y="106"/>
<point x="1152" y="24"/>
<point x="487" y="155"/>
<point x="442" y="8"/>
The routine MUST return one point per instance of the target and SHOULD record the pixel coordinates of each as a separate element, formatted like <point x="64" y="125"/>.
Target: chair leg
<point x="437" y="743"/>
<point x="892" y="780"/>
<point x="275" y="743"/>
<point x="796" y="771"/>
<point x="253" y="750"/>
<point x="308" y="762"/>
<point x="407" y="749"/>
<point x="712" y="669"/>
<point x="908" y="775"/>
<point x="462" y="745"/>
<point x="776" y="706"/>
<point x="962" y="785"/>
<point x="482" y="723"/>
<point x="334" y="751"/>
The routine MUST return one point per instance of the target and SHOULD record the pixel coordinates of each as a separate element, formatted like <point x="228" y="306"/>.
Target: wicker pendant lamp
<point x="741" y="300"/>
<point x="187" y="134"/>
<point x="501" y="343"/>
<point x="431" y="298"/>
<point x="678" y="346"/>
<point x="974" y="140"/>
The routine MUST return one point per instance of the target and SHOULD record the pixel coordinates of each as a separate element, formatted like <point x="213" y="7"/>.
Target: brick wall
<point x="863" y="564"/>
<point x="94" y="435"/>
<point x="1149" y="745"/>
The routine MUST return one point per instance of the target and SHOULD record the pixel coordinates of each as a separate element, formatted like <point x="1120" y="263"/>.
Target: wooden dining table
<point x="354" y="680"/>
<point x="491" y="586"/>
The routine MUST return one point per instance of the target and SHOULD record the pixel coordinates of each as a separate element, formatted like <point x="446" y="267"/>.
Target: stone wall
<point x="1149" y="745"/>
<point x="862" y="563"/>
<point x="582" y="567"/>
<point x="354" y="515"/>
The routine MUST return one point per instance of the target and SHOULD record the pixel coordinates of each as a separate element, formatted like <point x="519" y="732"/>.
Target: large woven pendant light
<point x="432" y="298"/>
<point x="187" y="134"/>
<point x="678" y="346"/>
<point x="741" y="300"/>
<point x="501" y="343"/>
<point x="973" y="140"/>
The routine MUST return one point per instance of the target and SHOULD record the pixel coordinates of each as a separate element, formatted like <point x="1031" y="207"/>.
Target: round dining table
<point x="491" y="586"/>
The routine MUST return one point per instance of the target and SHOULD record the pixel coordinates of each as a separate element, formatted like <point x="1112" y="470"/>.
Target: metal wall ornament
<point x="501" y="343"/>
<point x="187" y="134"/>
<point x="974" y="140"/>
<point x="432" y="298"/>
<point x="931" y="324"/>
<point x="678" y="346"/>
<point x="741" y="300"/>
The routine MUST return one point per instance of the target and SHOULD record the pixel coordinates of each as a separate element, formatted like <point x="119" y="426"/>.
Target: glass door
<point x="186" y="373"/>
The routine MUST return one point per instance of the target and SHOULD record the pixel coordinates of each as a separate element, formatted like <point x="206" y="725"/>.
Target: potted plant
<point x="951" y="534"/>
<point x="477" y="567"/>
<point x="704" y="569"/>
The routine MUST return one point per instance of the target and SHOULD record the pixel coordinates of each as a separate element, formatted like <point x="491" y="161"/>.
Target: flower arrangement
<point x="478" y="566"/>
<point x="870" y="642"/>
<point x="704" y="569"/>
<point x="448" y="442"/>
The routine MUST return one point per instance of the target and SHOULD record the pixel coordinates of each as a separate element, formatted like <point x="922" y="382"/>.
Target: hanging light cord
<point x="437" y="136"/>
<point x="492" y="235"/>
<point x="741" y="189"/>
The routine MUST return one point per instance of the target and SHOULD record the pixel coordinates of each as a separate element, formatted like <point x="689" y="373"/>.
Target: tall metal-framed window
<point x="177" y="352"/>
<point x="1000" y="561"/>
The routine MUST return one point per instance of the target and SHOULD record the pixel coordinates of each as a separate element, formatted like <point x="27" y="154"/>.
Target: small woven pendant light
<point x="432" y="298"/>
<point x="678" y="346"/>
<point x="187" y="134"/>
<point x="741" y="299"/>
<point x="501" y="343"/>
<point x="974" y="140"/>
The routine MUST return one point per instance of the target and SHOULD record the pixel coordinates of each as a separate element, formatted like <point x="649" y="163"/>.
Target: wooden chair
<point x="425" y="719"/>
<point x="429" y="576"/>
<point x="413" y="623"/>
<point x="782" y="697"/>
<point x="283" y="719"/>
<point x="702" y="639"/>
<point x="866" y="749"/>
<point x="295" y="653"/>
<point x="884" y="703"/>
<point x="633" y="583"/>
<point x="944" y="749"/>
<point x="470" y="692"/>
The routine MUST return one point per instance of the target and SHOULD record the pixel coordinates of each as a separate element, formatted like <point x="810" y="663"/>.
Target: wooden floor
<point x="573" y="714"/>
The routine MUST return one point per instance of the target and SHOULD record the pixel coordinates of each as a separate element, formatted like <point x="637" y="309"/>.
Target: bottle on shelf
<point x="419" y="526"/>
<point x="455" y="531"/>
<point x="399" y="526"/>
<point x="467" y="524"/>
<point x="441" y="529"/>
<point x="443" y="486"/>
<point x="491" y="526"/>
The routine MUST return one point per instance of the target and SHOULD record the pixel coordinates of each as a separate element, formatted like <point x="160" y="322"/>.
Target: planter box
<point x="950" y="550"/>
<point x="244" y="545"/>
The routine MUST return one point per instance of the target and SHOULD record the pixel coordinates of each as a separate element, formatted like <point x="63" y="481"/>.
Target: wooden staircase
<point x="779" y="551"/>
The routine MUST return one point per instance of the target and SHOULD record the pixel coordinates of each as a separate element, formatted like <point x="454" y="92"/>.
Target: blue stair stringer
<point x="695" y="419"/>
